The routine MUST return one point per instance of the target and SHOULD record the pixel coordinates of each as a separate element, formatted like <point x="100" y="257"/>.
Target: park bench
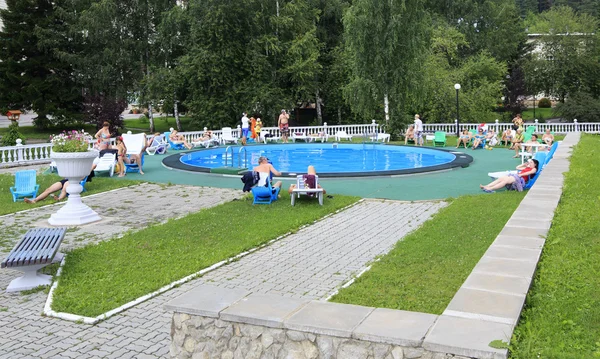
<point x="35" y="250"/>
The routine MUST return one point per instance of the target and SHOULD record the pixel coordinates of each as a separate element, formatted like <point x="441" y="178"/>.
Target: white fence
<point x="40" y="153"/>
<point x="557" y="128"/>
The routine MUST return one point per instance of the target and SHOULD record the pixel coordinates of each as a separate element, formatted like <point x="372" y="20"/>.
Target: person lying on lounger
<point x="514" y="181"/>
<point x="178" y="139"/>
<point x="309" y="180"/>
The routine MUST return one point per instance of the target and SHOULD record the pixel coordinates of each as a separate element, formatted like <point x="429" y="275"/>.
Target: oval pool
<point x="330" y="160"/>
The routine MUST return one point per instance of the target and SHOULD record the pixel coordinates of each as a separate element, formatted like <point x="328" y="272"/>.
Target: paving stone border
<point x="216" y="322"/>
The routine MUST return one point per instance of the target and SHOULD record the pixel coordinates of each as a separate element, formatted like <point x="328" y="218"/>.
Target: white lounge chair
<point x="135" y="146"/>
<point x="212" y="141"/>
<point x="106" y="163"/>
<point x="263" y="136"/>
<point x="383" y="137"/>
<point x="227" y="136"/>
<point x="302" y="189"/>
<point x="300" y="136"/>
<point x="158" y="146"/>
<point x="342" y="135"/>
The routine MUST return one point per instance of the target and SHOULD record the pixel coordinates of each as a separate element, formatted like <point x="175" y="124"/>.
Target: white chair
<point x="106" y="163"/>
<point x="135" y="146"/>
<point x="342" y="135"/>
<point x="158" y="146"/>
<point x="300" y="136"/>
<point x="302" y="189"/>
<point x="272" y="138"/>
<point x="227" y="136"/>
<point x="212" y="140"/>
<point x="383" y="137"/>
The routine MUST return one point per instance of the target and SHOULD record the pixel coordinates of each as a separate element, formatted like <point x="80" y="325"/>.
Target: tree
<point x="384" y="43"/>
<point x="33" y="74"/>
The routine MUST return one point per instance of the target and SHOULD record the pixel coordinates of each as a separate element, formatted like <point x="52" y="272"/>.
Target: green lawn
<point x="161" y="124"/>
<point x="101" y="277"/>
<point x="540" y="114"/>
<point x="98" y="184"/>
<point x="424" y="271"/>
<point x="562" y="313"/>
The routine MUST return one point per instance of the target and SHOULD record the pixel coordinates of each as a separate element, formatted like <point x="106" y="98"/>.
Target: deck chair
<point x="302" y="189"/>
<point x="25" y="185"/>
<point x="212" y="141"/>
<point x="342" y="135"/>
<point x="440" y="139"/>
<point x="172" y="145"/>
<point x="265" y="195"/>
<point x="106" y="163"/>
<point x="135" y="146"/>
<point x="550" y="153"/>
<point x="227" y="136"/>
<point x="158" y="146"/>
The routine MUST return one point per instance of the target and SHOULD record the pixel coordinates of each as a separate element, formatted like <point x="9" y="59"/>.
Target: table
<point x="524" y="153"/>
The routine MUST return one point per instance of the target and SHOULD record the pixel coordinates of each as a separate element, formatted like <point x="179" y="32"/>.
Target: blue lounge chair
<point x="174" y="146"/>
<point x="25" y="185"/>
<point x="551" y="152"/>
<point x="265" y="195"/>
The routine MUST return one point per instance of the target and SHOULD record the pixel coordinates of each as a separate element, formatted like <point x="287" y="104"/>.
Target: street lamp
<point x="457" y="87"/>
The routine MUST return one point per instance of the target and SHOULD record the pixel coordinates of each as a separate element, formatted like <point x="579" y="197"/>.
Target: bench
<point x="35" y="250"/>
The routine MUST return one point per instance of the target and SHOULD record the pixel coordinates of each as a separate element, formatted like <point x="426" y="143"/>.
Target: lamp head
<point x="457" y="86"/>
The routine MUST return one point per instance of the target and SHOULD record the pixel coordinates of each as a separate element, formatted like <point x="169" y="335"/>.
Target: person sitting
<point x="123" y="158"/>
<point x="548" y="137"/>
<point x="479" y="137"/>
<point x="103" y="137"/>
<point x="491" y="140"/>
<point x="264" y="170"/>
<point x="465" y="138"/>
<point x="309" y="180"/>
<point x="517" y="141"/>
<point x="514" y="181"/>
<point x="507" y="136"/>
<point x="533" y="140"/>
<point x="179" y="139"/>
<point x="410" y="134"/>
<point x="206" y="136"/>
<point x="150" y="139"/>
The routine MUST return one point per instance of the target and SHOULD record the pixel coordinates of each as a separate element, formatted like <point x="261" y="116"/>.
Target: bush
<point x="582" y="106"/>
<point x="11" y="136"/>
<point x="143" y="119"/>
<point x="544" y="102"/>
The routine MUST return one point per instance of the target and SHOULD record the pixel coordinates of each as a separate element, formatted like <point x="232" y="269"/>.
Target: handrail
<point x="240" y="157"/>
<point x="226" y="152"/>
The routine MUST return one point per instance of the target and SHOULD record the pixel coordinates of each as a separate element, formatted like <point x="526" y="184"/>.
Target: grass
<point x="161" y="124"/>
<point x="562" y="312"/>
<point x="540" y="114"/>
<point x="101" y="277"/>
<point x="98" y="184"/>
<point x="423" y="272"/>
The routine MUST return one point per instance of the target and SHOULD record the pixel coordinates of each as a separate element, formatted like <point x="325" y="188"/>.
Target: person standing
<point x="245" y="127"/>
<point x="284" y="125"/>
<point x="418" y="130"/>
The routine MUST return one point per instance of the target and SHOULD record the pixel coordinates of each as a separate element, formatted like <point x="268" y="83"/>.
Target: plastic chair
<point x="25" y="185"/>
<point x="440" y="139"/>
<point x="265" y="194"/>
<point x="172" y="145"/>
<point x="135" y="146"/>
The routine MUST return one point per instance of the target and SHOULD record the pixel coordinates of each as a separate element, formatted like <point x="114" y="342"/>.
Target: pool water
<point x="328" y="158"/>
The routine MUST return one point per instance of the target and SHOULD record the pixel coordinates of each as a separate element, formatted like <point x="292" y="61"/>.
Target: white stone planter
<point x="74" y="166"/>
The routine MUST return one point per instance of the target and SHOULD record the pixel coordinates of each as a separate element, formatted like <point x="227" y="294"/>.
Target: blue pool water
<point x="326" y="157"/>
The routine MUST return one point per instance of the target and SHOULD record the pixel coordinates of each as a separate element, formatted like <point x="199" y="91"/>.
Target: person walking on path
<point x="284" y="125"/>
<point x="418" y="130"/>
<point x="245" y="127"/>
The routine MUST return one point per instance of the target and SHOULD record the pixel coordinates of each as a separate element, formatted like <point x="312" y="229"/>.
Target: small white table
<point x="297" y="191"/>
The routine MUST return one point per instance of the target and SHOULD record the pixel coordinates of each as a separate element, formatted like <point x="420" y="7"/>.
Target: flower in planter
<point x="71" y="141"/>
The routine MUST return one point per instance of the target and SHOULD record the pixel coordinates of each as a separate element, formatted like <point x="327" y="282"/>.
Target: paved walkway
<point x="311" y="263"/>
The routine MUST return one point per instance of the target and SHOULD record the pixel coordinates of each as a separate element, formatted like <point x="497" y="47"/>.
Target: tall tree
<point x="384" y="43"/>
<point x="33" y="74"/>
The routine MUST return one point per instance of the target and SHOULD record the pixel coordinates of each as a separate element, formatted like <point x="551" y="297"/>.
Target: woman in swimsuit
<point x="177" y="139"/>
<point x="122" y="157"/>
<point x="57" y="186"/>
<point x="548" y="137"/>
<point x="464" y="138"/>
<point x="514" y="181"/>
<point x="103" y="137"/>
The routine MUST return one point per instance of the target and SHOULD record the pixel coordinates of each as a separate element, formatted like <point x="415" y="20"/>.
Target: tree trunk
<point x="386" y="106"/>
<point x="176" y="114"/>
<point x="319" y="114"/>
<point x="151" y="118"/>
<point x="339" y="115"/>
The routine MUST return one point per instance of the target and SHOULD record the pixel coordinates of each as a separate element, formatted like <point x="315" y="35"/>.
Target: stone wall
<point x="205" y="337"/>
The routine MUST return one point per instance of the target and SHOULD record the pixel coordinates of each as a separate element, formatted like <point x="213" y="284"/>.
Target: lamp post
<point x="457" y="87"/>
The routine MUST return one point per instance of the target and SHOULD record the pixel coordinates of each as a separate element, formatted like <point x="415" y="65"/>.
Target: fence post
<point x="576" y="125"/>
<point x="456" y="126"/>
<point x="497" y="126"/>
<point x="19" y="149"/>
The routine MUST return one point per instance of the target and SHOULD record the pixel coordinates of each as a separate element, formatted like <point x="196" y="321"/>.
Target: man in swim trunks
<point x="284" y="126"/>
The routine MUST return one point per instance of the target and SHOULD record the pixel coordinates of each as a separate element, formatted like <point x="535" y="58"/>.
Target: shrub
<point x="580" y="105"/>
<point x="544" y="102"/>
<point x="143" y="119"/>
<point x="11" y="136"/>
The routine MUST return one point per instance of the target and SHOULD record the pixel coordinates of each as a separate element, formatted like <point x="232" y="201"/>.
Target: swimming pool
<point x="330" y="160"/>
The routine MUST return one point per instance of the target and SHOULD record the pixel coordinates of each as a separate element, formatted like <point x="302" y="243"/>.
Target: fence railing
<point x="557" y="128"/>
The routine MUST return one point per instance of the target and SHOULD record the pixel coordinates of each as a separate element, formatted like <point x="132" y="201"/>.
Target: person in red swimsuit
<point x="514" y="181"/>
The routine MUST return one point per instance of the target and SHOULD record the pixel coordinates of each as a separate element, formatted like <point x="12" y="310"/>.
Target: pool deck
<point x="435" y="185"/>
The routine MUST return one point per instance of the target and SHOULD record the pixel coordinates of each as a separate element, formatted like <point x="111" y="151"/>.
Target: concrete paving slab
<point x="467" y="337"/>
<point x="205" y="300"/>
<point x="520" y="241"/>
<point x="486" y="305"/>
<point x="532" y="221"/>
<point x="497" y="283"/>
<point x="326" y="318"/>
<point x="524" y="232"/>
<point x="523" y="254"/>
<point x="544" y="215"/>
<point x="395" y="326"/>
<point x="263" y="309"/>
<point x="505" y="267"/>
